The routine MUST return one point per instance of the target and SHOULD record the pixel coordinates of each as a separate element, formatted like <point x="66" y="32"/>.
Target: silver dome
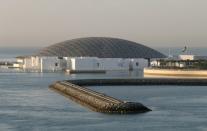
<point x="101" y="47"/>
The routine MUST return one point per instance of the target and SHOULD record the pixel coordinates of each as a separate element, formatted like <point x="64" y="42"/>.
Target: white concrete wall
<point x="31" y="63"/>
<point x="45" y="64"/>
<point x="140" y="63"/>
<point x="114" y="64"/>
<point x="93" y="63"/>
<point x="27" y="63"/>
<point x="84" y="63"/>
<point x="52" y="64"/>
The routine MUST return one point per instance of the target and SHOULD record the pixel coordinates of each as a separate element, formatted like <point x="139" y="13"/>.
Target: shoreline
<point x="175" y="72"/>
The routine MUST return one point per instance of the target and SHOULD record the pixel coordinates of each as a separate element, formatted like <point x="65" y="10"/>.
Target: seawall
<point x="141" y="81"/>
<point x="175" y="72"/>
<point x="97" y="101"/>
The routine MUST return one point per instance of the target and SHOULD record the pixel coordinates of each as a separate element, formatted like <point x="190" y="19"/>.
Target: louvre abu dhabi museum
<point x="89" y="54"/>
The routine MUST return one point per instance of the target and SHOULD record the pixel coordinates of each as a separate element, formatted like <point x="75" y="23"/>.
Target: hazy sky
<point x="150" y="22"/>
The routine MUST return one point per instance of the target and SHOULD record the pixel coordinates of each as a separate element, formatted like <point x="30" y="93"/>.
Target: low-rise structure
<point x="181" y="62"/>
<point x="192" y="57"/>
<point x="52" y="64"/>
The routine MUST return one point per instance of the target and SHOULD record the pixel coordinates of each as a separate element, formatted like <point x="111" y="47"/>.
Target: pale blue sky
<point x="151" y="22"/>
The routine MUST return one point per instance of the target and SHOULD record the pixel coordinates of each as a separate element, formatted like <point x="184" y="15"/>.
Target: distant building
<point x="192" y="57"/>
<point x="181" y="62"/>
<point x="92" y="53"/>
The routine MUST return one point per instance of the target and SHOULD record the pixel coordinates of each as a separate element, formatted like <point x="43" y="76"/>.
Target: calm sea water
<point x="26" y="104"/>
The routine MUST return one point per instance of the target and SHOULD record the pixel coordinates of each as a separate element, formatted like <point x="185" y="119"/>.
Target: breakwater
<point x="97" y="101"/>
<point x="140" y="81"/>
<point x="102" y="103"/>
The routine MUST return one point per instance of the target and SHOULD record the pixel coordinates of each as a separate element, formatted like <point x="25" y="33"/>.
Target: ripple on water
<point x="26" y="103"/>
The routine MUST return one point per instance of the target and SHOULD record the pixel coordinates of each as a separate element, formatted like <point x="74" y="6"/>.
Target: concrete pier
<point x="97" y="101"/>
